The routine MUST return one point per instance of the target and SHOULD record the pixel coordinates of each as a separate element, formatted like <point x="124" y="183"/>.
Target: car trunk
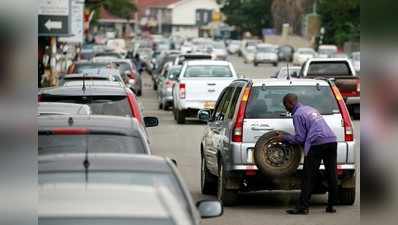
<point x="205" y="89"/>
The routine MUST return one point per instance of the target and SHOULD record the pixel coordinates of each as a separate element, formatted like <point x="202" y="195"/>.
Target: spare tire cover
<point x="274" y="158"/>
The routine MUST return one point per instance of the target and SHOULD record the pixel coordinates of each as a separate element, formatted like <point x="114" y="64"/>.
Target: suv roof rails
<point x="242" y="79"/>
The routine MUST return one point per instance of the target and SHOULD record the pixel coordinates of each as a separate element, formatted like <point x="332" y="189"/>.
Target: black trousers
<point x="327" y="153"/>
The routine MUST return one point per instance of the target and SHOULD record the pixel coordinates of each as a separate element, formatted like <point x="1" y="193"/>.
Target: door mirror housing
<point x="204" y="115"/>
<point x="151" y="121"/>
<point x="210" y="208"/>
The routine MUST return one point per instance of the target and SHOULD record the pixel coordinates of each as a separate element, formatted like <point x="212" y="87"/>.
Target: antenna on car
<point x="287" y="68"/>
<point x="86" y="162"/>
<point x="84" y="83"/>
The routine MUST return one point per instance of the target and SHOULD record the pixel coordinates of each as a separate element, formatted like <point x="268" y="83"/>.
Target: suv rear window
<point x="55" y="144"/>
<point x="208" y="71"/>
<point x="338" y="68"/>
<point x="99" y="105"/>
<point x="266" y="102"/>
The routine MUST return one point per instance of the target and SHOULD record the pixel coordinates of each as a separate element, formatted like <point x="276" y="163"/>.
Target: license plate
<point x="209" y="105"/>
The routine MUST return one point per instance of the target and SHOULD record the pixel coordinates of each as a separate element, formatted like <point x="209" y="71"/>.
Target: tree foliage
<point x="248" y="15"/>
<point x="120" y="8"/>
<point x="341" y="20"/>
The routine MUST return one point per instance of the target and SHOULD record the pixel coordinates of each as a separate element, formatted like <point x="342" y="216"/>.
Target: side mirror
<point x="151" y="121"/>
<point x="210" y="208"/>
<point x="204" y="115"/>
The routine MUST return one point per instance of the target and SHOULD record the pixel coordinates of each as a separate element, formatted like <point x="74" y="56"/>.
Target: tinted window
<point x="100" y="105"/>
<point x="173" y="73"/>
<point x="329" y="69"/>
<point x="54" y="144"/>
<point x="234" y="102"/>
<point x="208" y="71"/>
<point x="266" y="102"/>
<point x="226" y="103"/>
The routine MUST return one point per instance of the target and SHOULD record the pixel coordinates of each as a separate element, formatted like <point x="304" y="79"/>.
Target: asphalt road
<point x="181" y="142"/>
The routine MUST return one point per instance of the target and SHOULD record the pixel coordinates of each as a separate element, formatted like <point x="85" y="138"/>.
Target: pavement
<point x="181" y="142"/>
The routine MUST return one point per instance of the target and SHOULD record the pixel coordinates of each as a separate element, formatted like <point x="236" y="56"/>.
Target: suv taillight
<point x="237" y="132"/>
<point x="135" y="109"/>
<point x="348" y="131"/>
<point x="182" y="90"/>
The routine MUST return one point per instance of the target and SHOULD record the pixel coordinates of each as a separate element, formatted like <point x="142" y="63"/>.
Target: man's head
<point x="289" y="101"/>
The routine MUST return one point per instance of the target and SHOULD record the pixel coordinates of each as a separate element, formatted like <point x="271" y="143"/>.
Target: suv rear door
<point x="265" y="111"/>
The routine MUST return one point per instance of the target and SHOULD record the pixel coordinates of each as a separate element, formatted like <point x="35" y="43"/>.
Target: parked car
<point x="106" y="74"/>
<point x="219" y="51"/>
<point x="266" y="53"/>
<point x="198" y="86"/>
<point x="327" y="51"/>
<point x="191" y="56"/>
<point x="356" y="61"/>
<point x="103" y="97"/>
<point x="166" y="81"/>
<point x="294" y="72"/>
<point x="244" y="44"/>
<point x="63" y="134"/>
<point x="233" y="47"/>
<point x="302" y="55"/>
<point x="249" y="54"/>
<point x="285" y="53"/>
<point x="248" y="109"/>
<point x="343" y="75"/>
<point x="59" y="108"/>
<point x="117" y="189"/>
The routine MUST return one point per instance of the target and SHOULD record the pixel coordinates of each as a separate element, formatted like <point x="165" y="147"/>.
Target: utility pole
<point x="159" y="20"/>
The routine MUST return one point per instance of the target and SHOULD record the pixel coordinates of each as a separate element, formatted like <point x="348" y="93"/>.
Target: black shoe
<point x="298" y="211"/>
<point x="330" y="209"/>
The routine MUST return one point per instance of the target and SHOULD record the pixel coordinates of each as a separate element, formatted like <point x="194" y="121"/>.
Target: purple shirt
<point x="310" y="128"/>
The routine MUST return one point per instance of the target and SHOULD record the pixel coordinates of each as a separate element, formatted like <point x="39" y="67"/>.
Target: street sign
<point x="77" y="30"/>
<point x="54" y="16"/>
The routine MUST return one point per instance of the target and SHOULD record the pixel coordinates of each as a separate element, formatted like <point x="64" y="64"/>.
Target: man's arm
<point x="300" y="131"/>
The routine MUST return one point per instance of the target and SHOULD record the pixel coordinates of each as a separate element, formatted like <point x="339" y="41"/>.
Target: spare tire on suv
<point x="274" y="158"/>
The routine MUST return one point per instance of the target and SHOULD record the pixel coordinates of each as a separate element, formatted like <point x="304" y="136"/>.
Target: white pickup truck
<point x="199" y="85"/>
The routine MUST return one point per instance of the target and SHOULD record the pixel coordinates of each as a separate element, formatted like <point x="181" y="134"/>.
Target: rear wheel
<point x="346" y="196"/>
<point x="275" y="64"/>
<point x="227" y="197"/>
<point x="207" y="180"/>
<point x="180" y="115"/>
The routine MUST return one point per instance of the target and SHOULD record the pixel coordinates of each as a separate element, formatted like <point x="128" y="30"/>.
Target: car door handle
<point x="211" y="84"/>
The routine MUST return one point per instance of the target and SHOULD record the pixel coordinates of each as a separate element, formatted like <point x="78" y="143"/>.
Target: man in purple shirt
<point x="319" y="141"/>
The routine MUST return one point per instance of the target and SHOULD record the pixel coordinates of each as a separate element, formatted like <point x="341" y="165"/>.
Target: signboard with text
<point x="77" y="16"/>
<point x="54" y="16"/>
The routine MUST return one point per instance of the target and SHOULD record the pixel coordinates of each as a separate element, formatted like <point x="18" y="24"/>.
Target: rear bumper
<point x="196" y="105"/>
<point x="265" y="60"/>
<point x="322" y="167"/>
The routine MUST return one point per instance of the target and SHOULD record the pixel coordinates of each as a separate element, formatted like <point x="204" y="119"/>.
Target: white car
<point x="199" y="85"/>
<point x="266" y="54"/>
<point x="248" y="54"/>
<point x="356" y="61"/>
<point x="219" y="52"/>
<point x="327" y="51"/>
<point x="302" y="55"/>
<point x="233" y="47"/>
<point x="294" y="72"/>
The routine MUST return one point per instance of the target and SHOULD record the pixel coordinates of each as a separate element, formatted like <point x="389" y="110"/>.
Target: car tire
<point x="208" y="182"/>
<point x="346" y="196"/>
<point x="174" y="114"/>
<point x="255" y="64"/>
<point x="276" y="159"/>
<point x="165" y="106"/>
<point x="227" y="197"/>
<point x="139" y="93"/>
<point x="275" y="64"/>
<point x="155" y="87"/>
<point x="180" y="116"/>
<point x="160" y="106"/>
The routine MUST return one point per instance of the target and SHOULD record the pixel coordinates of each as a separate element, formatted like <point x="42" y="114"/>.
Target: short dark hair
<point x="290" y="98"/>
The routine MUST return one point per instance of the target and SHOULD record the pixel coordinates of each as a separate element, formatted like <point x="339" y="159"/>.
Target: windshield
<point x="327" y="51"/>
<point x="329" y="68"/>
<point x="99" y="105"/>
<point x="105" y="221"/>
<point x="218" y="45"/>
<point x="266" y="50"/>
<point x="293" y="72"/>
<point x="208" y="71"/>
<point x="54" y="144"/>
<point x="266" y="102"/>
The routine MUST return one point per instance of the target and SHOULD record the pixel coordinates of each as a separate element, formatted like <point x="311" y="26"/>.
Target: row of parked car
<point x="95" y="160"/>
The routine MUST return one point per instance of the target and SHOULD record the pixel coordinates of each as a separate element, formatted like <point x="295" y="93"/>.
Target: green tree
<point x="121" y="8"/>
<point x="248" y="15"/>
<point x="341" y="20"/>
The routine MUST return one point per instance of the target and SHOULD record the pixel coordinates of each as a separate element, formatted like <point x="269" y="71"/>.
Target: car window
<point x="173" y="73"/>
<point x="226" y="103"/>
<point x="330" y="68"/>
<point x="266" y="102"/>
<point x="219" y="105"/>
<point x="55" y="144"/>
<point x="99" y="105"/>
<point x="208" y="71"/>
<point x="234" y="102"/>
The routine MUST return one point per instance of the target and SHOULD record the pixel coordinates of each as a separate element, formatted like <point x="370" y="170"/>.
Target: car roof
<point x="291" y="68"/>
<point x="60" y="108"/>
<point x="208" y="62"/>
<point x="72" y="162"/>
<point x="126" y="126"/>
<point x="329" y="59"/>
<point x="291" y="82"/>
<point x="93" y="88"/>
<point x="106" y="201"/>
